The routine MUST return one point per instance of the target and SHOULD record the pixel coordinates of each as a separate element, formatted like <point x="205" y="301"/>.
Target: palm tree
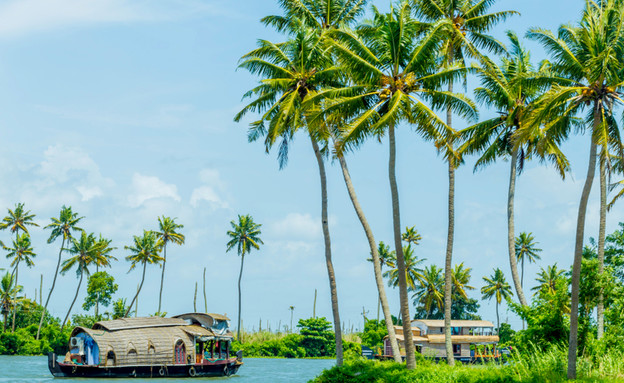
<point x="63" y="226"/>
<point x="496" y="286"/>
<point x="430" y="290"/>
<point x="470" y="22"/>
<point x="587" y="58"/>
<point x="168" y="233"/>
<point x="411" y="236"/>
<point x="245" y="235"/>
<point x="412" y="269"/>
<point x="18" y="219"/>
<point x="292" y="311"/>
<point x="8" y="297"/>
<point x="393" y="66"/>
<point x="318" y="14"/>
<point x="83" y="253"/>
<point x="460" y="280"/>
<point x="145" y="250"/>
<point x="526" y="249"/>
<point x="293" y="73"/>
<point x="547" y="279"/>
<point x="103" y="258"/>
<point x="21" y="251"/>
<point x="511" y="89"/>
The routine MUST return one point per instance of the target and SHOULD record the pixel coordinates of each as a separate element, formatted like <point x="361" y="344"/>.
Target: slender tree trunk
<point x="381" y="289"/>
<point x="205" y="300"/>
<point x="40" y="290"/>
<point x="162" y="276"/>
<point x="97" y="294"/>
<point x="396" y="221"/>
<point x="497" y="318"/>
<point x="136" y="297"/>
<point x="74" y="301"/>
<point x="240" y="276"/>
<point x="578" y="256"/>
<point x="448" y="268"/>
<point x="291" y="319"/>
<point x="328" y="256"/>
<point x="15" y="297"/>
<point x="522" y="275"/>
<point x="511" y="238"/>
<point x="601" y="242"/>
<point x="314" y="306"/>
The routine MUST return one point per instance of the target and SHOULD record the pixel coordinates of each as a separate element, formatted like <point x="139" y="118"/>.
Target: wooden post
<point x="260" y="325"/>
<point x="195" y="299"/>
<point x="314" y="307"/>
<point x="205" y="300"/>
<point x="40" y="290"/>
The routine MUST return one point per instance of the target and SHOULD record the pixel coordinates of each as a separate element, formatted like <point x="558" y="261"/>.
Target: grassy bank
<point x="529" y="368"/>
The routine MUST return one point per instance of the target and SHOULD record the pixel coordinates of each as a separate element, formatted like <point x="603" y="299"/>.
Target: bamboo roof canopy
<point x="454" y="323"/>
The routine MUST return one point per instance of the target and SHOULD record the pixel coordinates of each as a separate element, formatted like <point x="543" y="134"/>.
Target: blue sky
<point x="123" y="110"/>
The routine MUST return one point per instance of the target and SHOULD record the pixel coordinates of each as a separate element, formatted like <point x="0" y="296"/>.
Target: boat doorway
<point x="180" y="352"/>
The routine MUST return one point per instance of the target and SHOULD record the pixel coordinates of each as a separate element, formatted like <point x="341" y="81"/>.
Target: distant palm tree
<point x="8" y="297"/>
<point x="461" y="278"/>
<point x="496" y="286"/>
<point x="21" y="251"/>
<point x="411" y="236"/>
<point x="145" y="250"/>
<point x="292" y="311"/>
<point x="385" y="255"/>
<point x="412" y="271"/>
<point x="84" y="253"/>
<point x="103" y="258"/>
<point x="63" y="226"/>
<point x="245" y="235"/>
<point x="318" y="14"/>
<point x="547" y="279"/>
<point x="430" y="291"/>
<point x="526" y="249"/>
<point x="168" y="233"/>
<point x="18" y="219"/>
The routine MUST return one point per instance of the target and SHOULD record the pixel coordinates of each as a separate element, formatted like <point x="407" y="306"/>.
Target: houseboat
<point x="473" y="340"/>
<point x="193" y="344"/>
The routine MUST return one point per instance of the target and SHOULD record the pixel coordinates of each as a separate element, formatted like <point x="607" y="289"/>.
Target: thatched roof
<point x="454" y="323"/>
<point x="134" y="323"/>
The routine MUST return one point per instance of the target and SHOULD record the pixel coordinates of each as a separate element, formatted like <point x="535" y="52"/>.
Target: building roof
<point x="454" y="323"/>
<point x="136" y="323"/>
<point x="455" y="339"/>
<point x="206" y="320"/>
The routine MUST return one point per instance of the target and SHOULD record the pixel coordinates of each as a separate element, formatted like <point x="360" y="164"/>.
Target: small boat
<point x="187" y="345"/>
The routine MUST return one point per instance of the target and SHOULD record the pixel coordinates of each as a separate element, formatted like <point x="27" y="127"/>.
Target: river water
<point x="35" y="369"/>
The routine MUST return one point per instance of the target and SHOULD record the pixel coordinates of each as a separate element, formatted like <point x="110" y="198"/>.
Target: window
<point x="180" y="352"/>
<point x="455" y="330"/>
<point x="110" y="358"/>
<point x="457" y="349"/>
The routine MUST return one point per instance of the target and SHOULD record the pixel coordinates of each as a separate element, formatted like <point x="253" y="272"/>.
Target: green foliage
<point x="373" y="333"/>
<point x="505" y="333"/>
<point x="84" y="320"/>
<point x="22" y="341"/>
<point x="29" y="313"/>
<point x="119" y="308"/>
<point x="100" y="289"/>
<point x="317" y="339"/>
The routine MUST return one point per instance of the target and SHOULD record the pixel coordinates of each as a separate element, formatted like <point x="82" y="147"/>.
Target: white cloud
<point x="145" y="188"/>
<point x="20" y="17"/>
<point x="210" y="191"/>
<point x="297" y="226"/>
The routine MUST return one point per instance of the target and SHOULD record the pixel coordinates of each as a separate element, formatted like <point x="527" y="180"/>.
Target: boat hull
<point x="221" y="368"/>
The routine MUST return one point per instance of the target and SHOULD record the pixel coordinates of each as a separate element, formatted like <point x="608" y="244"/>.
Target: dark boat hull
<point x="62" y="370"/>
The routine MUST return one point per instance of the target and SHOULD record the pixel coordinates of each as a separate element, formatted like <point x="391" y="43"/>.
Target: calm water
<point x="35" y="369"/>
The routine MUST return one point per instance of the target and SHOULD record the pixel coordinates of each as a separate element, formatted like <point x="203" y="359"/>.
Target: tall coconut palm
<point x="461" y="280"/>
<point x="293" y="72"/>
<point x="18" y="219"/>
<point x="145" y="250"/>
<point x="392" y="64"/>
<point x="547" y="279"/>
<point x="8" y="297"/>
<point x="318" y="14"/>
<point x="244" y="236"/>
<point x="588" y="59"/>
<point x="526" y="250"/>
<point x="430" y="291"/>
<point x="511" y="90"/>
<point x="470" y="22"/>
<point x="103" y="258"/>
<point x="496" y="286"/>
<point x="20" y="252"/>
<point x="168" y="233"/>
<point x="63" y="226"/>
<point x="83" y="253"/>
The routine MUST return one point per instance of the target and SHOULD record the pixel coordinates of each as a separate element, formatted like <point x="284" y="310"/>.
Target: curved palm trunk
<point x="511" y="238"/>
<point x="58" y="264"/>
<point x="396" y="223"/>
<point x="383" y="299"/>
<point x="497" y="318"/>
<point x="15" y="297"/>
<point x="240" y="276"/>
<point x="136" y="297"/>
<point x="74" y="301"/>
<point x="601" y="244"/>
<point x="162" y="277"/>
<point x="448" y="269"/>
<point x="578" y="256"/>
<point x="328" y="256"/>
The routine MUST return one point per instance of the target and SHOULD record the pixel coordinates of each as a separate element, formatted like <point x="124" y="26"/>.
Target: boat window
<point x="110" y="358"/>
<point x="180" y="352"/>
<point x="132" y="357"/>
